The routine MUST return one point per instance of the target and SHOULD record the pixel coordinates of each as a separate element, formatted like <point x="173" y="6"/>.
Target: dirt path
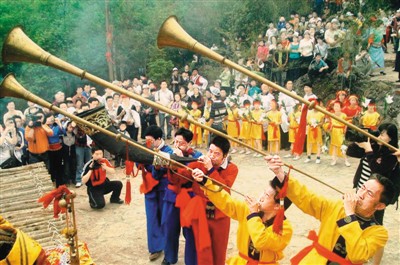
<point x="117" y="234"/>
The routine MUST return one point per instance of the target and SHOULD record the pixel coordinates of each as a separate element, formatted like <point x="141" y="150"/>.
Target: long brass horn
<point x="171" y="34"/>
<point x="18" y="47"/>
<point x="10" y="87"/>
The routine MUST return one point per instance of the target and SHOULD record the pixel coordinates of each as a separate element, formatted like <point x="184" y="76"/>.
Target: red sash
<point x="55" y="147"/>
<point x="148" y="183"/>
<point x="324" y="252"/>
<point x="194" y="210"/>
<point x="339" y="127"/>
<point x="275" y="127"/>
<point x="251" y="261"/>
<point x="315" y="132"/>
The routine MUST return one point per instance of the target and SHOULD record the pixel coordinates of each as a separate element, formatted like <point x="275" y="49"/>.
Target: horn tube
<point x="18" y="47"/>
<point x="114" y="141"/>
<point x="91" y="123"/>
<point x="171" y="34"/>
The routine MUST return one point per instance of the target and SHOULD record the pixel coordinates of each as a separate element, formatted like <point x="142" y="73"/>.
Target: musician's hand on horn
<point x="275" y="165"/>
<point x="350" y="200"/>
<point x="254" y="205"/>
<point x="197" y="175"/>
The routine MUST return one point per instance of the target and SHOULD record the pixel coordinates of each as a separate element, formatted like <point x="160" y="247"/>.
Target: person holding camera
<point x="95" y="177"/>
<point x="377" y="158"/>
<point x="36" y="134"/>
<point x="55" y="153"/>
<point x="8" y="141"/>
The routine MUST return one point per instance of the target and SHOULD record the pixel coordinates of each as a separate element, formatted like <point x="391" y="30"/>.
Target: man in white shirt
<point x="164" y="97"/>
<point x="287" y="104"/>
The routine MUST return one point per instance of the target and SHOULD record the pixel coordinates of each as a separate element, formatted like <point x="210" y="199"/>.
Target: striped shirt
<point x="365" y="173"/>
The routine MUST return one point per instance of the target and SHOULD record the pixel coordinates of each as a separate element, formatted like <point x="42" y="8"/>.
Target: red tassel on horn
<point x="128" y="196"/>
<point x="55" y="195"/>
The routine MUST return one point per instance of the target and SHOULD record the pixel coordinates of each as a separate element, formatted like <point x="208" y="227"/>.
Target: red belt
<point x="339" y="127"/>
<point x="55" y="147"/>
<point x="324" y="252"/>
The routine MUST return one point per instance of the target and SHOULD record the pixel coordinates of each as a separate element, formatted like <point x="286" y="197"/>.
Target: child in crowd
<point x="315" y="119"/>
<point x="274" y="135"/>
<point x="337" y="131"/>
<point x="233" y="128"/>
<point x="246" y="126"/>
<point x="197" y="135"/>
<point x="371" y="118"/>
<point x="257" y="130"/>
<point x="294" y="120"/>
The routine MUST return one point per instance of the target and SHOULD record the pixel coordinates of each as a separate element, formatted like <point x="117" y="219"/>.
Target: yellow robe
<point x="233" y="128"/>
<point x="361" y="244"/>
<point x="314" y="118"/>
<point x="245" y="126"/>
<point x="197" y="135"/>
<point x="256" y="131"/>
<point x="370" y="120"/>
<point x="276" y="118"/>
<point x="293" y="125"/>
<point x="269" y="244"/>
<point x="338" y="131"/>
<point x="24" y="251"/>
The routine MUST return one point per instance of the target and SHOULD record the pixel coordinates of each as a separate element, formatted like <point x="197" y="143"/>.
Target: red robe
<point x="211" y="234"/>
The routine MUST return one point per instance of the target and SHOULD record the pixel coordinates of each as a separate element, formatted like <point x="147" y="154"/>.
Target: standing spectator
<point x="226" y="77"/>
<point x="120" y="159"/>
<point x="175" y="81"/>
<point x="294" y="59"/>
<point x="128" y="113"/>
<point x="287" y="104"/>
<point x="8" y="142"/>
<point x="198" y="98"/>
<point x="271" y="32"/>
<point x="185" y="78"/>
<point x="55" y="152"/>
<point x="12" y="112"/>
<point x="281" y="24"/>
<point x="82" y="149"/>
<point x="397" y="62"/>
<point x="111" y="110"/>
<point x="164" y="97"/>
<point x="79" y="95"/>
<point x="395" y="28"/>
<point x="321" y="47"/>
<point x="184" y="96"/>
<point x="218" y="113"/>
<point x="334" y="37"/>
<point x="98" y="184"/>
<point x="147" y="113"/>
<point x="69" y="153"/>
<point x="36" y="134"/>
<point x="175" y="106"/>
<point x="306" y="48"/>
<point x="22" y="145"/>
<point x="86" y="92"/>
<point x="375" y="48"/>
<point x="337" y="132"/>
<point x="254" y="90"/>
<point x="199" y="80"/>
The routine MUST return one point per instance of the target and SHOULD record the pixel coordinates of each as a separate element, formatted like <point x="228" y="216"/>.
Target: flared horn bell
<point x="171" y="34"/>
<point x="18" y="47"/>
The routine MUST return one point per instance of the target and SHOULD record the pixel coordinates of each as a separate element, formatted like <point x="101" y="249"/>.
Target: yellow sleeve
<point x="307" y="201"/>
<point x="265" y="239"/>
<point x="233" y="208"/>
<point x="361" y="245"/>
